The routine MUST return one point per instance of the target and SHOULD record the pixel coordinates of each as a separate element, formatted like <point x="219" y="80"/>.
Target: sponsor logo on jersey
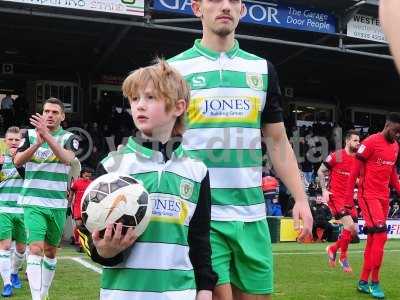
<point x="224" y="109"/>
<point x="43" y="154"/>
<point x="7" y="173"/>
<point x="381" y="161"/>
<point x="255" y="81"/>
<point x="168" y="209"/>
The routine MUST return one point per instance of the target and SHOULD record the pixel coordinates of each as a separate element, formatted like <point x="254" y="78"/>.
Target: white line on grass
<point x="83" y="263"/>
<point x="316" y="253"/>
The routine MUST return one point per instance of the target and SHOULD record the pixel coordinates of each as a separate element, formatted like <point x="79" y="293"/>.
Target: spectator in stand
<point x="270" y="187"/>
<point x="7" y="110"/>
<point x="77" y="190"/>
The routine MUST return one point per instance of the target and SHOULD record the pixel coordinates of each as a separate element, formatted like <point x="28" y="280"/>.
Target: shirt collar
<point x="214" y="55"/>
<point x="148" y="148"/>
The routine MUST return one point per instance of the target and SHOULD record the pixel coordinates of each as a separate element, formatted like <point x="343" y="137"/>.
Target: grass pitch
<point x="301" y="273"/>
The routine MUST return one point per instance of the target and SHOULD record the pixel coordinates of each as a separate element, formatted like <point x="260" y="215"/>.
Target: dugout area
<point x="82" y="56"/>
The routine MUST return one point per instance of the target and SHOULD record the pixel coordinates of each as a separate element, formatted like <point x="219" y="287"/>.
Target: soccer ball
<point x="115" y="198"/>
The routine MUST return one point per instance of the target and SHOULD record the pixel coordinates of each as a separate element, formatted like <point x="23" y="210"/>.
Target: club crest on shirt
<point x="254" y="81"/>
<point x="186" y="189"/>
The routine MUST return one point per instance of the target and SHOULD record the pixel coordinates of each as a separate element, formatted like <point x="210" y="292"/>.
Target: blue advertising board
<point x="267" y="14"/>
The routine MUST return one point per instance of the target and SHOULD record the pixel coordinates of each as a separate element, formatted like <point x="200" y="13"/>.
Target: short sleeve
<point x="366" y="149"/>
<point x="72" y="144"/>
<point x="272" y="112"/>
<point x="25" y="144"/>
<point x="330" y="160"/>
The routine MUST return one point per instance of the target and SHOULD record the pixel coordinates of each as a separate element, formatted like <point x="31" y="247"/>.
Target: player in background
<point x="77" y="189"/>
<point x="235" y="95"/>
<point x="11" y="214"/>
<point x="375" y="167"/>
<point x="47" y="153"/>
<point x="338" y="167"/>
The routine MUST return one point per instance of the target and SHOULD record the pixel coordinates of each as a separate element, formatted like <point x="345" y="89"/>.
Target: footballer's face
<point x="353" y="142"/>
<point x="13" y="141"/>
<point x="219" y="17"/>
<point x="392" y="131"/>
<point x="53" y="114"/>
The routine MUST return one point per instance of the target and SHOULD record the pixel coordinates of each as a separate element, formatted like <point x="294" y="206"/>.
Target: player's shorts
<point x="12" y="227"/>
<point x="44" y="224"/>
<point x="242" y="255"/>
<point x="374" y="211"/>
<point x="339" y="209"/>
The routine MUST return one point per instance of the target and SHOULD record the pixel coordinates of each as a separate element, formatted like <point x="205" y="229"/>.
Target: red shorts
<point x="339" y="210"/>
<point x="374" y="211"/>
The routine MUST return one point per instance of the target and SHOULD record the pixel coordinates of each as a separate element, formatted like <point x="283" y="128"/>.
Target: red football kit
<point x="78" y="186"/>
<point x="339" y="164"/>
<point x="376" y="174"/>
<point x="376" y="167"/>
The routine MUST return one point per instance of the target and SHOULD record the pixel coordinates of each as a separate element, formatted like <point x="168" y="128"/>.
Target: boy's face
<point x="150" y="115"/>
<point x="220" y="17"/>
<point x="53" y="115"/>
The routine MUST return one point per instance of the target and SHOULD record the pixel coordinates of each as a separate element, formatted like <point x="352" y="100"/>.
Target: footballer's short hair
<point x="393" y="118"/>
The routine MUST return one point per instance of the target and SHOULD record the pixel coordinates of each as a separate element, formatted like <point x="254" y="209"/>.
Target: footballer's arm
<point x="281" y="153"/>
<point x="285" y="165"/>
<point x="64" y="155"/>
<point x="394" y="180"/>
<point x="26" y="151"/>
<point x="199" y="241"/>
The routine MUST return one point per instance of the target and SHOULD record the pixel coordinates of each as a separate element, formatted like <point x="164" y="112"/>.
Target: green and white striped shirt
<point x="10" y="187"/>
<point x="46" y="177"/>
<point x="158" y="264"/>
<point x="232" y="95"/>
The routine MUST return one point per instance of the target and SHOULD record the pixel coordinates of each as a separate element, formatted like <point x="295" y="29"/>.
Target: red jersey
<point x="79" y="186"/>
<point x="379" y="158"/>
<point x="339" y="164"/>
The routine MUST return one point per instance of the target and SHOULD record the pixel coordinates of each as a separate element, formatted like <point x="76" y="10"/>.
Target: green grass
<point x="301" y="273"/>
<point x="72" y="281"/>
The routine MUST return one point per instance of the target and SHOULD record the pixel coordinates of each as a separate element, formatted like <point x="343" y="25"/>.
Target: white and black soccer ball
<point x="113" y="198"/>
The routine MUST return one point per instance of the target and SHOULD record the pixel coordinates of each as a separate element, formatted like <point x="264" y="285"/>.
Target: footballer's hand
<point x="301" y="211"/>
<point x="113" y="241"/>
<point x="1" y="159"/>
<point x="40" y="124"/>
<point x="326" y="195"/>
<point x="204" y="295"/>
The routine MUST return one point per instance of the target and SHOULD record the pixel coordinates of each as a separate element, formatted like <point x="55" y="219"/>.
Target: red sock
<point x="335" y="246"/>
<point x="367" y="265"/>
<point x="344" y="245"/>
<point x="378" y="251"/>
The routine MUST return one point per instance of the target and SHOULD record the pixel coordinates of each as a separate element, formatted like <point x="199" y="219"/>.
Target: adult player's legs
<point x="18" y="255"/>
<point x="5" y="253"/>
<point x="223" y="292"/>
<point x="239" y="295"/>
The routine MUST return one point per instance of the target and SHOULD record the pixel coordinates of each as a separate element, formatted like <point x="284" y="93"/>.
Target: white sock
<point x="34" y="270"/>
<point x="48" y="270"/>
<point x="5" y="266"/>
<point x="16" y="261"/>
